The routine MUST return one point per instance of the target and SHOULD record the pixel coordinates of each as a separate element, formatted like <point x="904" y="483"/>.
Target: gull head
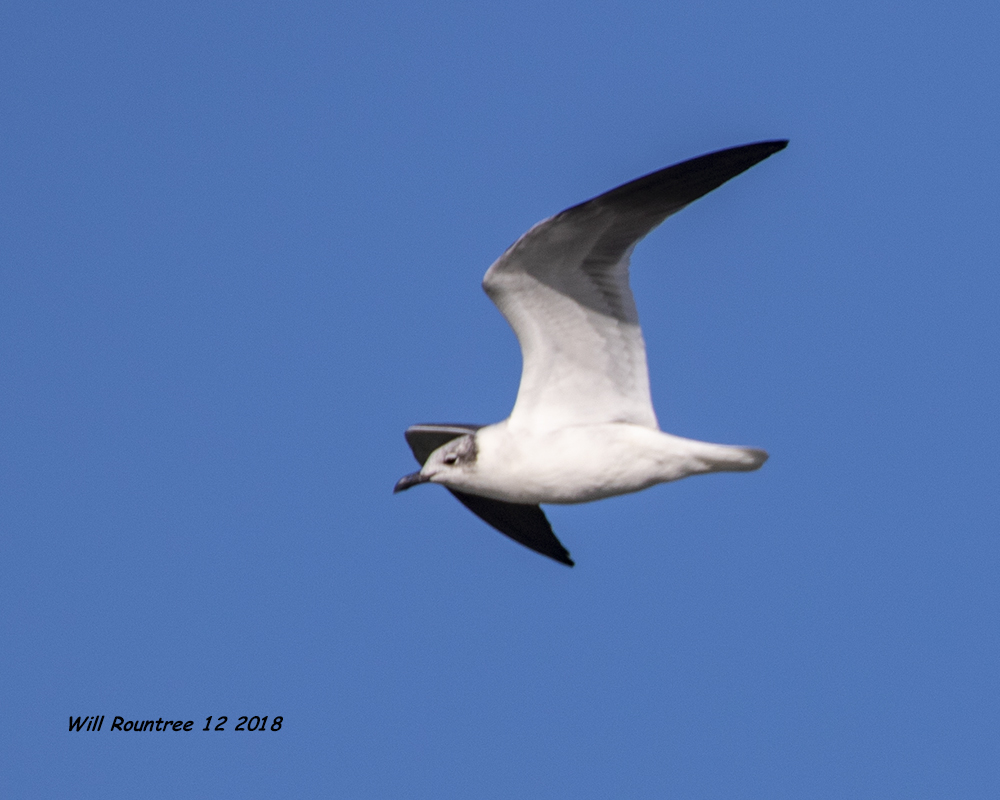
<point x="450" y="463"/>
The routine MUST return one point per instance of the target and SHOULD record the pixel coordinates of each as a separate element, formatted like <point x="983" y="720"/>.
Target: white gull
<point x="583" y="426"/>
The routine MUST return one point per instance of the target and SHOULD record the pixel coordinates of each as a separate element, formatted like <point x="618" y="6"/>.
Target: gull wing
<point x="524" y="524"/>
<point x="563" y="287"/>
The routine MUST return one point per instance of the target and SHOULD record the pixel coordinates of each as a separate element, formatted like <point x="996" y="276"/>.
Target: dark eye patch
<point x="463" y="452"/>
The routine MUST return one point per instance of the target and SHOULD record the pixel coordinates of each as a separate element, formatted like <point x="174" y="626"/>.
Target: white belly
<point x="579" y="464"/>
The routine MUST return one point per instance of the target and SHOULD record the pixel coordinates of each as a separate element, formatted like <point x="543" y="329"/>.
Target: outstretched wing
<point x="563" y="287"/>
<point x="524" y="524"/>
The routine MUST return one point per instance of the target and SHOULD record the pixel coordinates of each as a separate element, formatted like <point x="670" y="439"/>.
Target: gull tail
<point x="726" y="458"/>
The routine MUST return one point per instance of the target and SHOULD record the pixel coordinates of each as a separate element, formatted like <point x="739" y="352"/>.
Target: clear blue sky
<point x="240" y="251"/>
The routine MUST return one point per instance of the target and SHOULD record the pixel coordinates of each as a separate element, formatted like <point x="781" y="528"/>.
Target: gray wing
<point x="524" y="524"/>
<point x="563" y="287"/>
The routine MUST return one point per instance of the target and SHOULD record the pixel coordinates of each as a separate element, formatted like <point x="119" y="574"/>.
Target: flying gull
<point x="583" y="426"/>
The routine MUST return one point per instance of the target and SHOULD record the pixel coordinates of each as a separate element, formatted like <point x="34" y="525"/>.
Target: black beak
<point x="407" y="481"/>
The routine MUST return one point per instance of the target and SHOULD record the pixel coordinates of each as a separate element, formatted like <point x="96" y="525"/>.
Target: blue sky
<point x="240" y="251"/>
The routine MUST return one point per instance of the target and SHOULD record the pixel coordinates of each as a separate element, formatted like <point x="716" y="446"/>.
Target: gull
<point x="583" y="426"/>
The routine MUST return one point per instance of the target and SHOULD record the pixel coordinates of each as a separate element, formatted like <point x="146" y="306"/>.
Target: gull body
<point x="576" y="464"/>
<point x="583" y="426"/>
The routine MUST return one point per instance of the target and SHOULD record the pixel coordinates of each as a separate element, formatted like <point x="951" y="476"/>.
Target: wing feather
<point x="564" y="289"/>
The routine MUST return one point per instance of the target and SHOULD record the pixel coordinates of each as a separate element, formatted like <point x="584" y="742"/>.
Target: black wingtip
<point x="561" y="555"/>
<point x="775" y="145"/>
<point x="668" y="190"/>
<point x="562" y="558"/>
<point x="524" y="524"/>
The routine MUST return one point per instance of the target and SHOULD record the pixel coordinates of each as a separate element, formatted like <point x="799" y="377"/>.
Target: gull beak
<point x="407" y="481"/>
